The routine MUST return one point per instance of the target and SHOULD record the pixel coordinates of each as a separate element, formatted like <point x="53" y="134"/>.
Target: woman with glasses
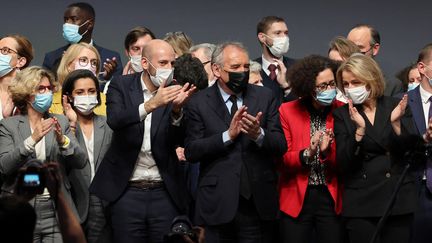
<point x="16" y="53"/>
<point x="37" y="134"/>
<point x="77" y="56"/>
<point x="82" y="96"/>
<point x="310" y="192"/>
<point x="365" y="130"/>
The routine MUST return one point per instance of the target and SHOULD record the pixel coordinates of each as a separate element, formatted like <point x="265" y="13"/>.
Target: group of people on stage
<point x="202" y="138"/>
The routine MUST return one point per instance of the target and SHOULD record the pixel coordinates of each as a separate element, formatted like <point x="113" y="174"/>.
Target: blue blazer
<point x="52" y="59"/>
<point x="111" y="180"/>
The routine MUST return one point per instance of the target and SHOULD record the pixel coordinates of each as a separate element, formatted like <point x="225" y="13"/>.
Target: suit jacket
<point x="369" y="169"/>
<point x="123" y="99"/>
<point x="52" y="59"/>
<point x="218" y="190"/>
<point x="294" y="176"/>
<point x="80" y="179"/>
<point x="274" y="86"/>
<point x="13" y="155"/>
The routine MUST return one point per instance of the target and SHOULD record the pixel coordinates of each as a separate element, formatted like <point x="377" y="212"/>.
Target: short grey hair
<point x="254" y="67"/>
<point x="208" y="49"/>
<point x="217" y="56"/>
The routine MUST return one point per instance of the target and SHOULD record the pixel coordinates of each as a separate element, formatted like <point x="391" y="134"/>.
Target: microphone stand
<point x="390" y="204"/>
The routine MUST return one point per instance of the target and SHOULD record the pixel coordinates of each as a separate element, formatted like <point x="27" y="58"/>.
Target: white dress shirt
<point x="425" y="95"/>
<point x="266" y="64"/>
<point x="89" y="143"/>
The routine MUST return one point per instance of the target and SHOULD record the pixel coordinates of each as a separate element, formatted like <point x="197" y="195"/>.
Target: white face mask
<point x="86" y="67"/>
<point x="412" y="86"/>
<point x="136" y="63"/>
<point x="358" y="95"/>
<point x="85" y="103"/>
<point x="280" y="45"/>
<point x="161" y="75"/>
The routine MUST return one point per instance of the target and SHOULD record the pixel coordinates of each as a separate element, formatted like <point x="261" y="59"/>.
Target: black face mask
<point x="238" y="81"/>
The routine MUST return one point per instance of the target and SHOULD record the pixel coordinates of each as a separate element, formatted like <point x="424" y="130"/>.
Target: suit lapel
<point x="99" y="134"/>
<point x="137" y="96"/>
<point x="156" y="120"/>
<point x="415" y="103"/>
<point x="217" y="104"/>
<point x="381" y="122"/>
<point x="250" y="100"/>
<point x="49" y="143"/>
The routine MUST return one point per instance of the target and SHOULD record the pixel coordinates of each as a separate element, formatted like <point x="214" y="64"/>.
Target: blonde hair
<point x="70" y="55"/>
<point x="343" y="46"/>
<point x="365" y="69"/>
<point x="180" y="42"/>
<point x="25" y="83"/>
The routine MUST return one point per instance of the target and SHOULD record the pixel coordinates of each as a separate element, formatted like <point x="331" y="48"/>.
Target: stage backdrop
<point x="405" y="26"/>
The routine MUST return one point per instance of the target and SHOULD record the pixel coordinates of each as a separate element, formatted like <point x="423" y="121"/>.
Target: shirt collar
<point x="424" y="95"/>
<point x="266" y="64"/>
<point x="225" y="95"/>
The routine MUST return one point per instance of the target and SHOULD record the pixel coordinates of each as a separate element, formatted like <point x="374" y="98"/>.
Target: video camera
<point x="31" y="179"/>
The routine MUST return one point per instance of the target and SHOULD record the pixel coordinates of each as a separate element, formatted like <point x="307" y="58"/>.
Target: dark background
<point x="405" y="26"/>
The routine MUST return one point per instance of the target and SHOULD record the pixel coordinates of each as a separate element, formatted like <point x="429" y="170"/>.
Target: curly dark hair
<point x="302" y="74"/>
<point x="188" y="69"/>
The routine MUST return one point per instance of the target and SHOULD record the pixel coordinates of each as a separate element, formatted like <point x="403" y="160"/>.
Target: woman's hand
<point x="326" y="141"/>
<point x="355" y="116"/>
<point x="58" y="132"/>
<point x="398" y="113"/>
<point x="314" y="143"/>
<point x="42" y="128"/>
<point x="68" y="111"/>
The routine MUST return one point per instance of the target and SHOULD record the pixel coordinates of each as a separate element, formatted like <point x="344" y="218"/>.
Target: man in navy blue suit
<point x="233" y="130"/>
<point x="140" y="175"/>
<point x="79" y="19"/>
<point x="272" y="33"/>
<point x="419" y="100"/>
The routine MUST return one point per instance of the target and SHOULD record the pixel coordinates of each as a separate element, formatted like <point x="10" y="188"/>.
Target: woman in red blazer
<point x="309" y="188"/>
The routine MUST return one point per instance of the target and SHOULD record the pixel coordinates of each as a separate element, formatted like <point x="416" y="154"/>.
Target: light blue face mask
<point x="326" y="97"/>
<point x="71" y="32"/>
<point x="412" y="86"/>
<point x="5" y="66"/>
<point x="42" y="102"/>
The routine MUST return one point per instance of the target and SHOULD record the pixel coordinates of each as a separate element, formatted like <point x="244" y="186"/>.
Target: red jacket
<point x="293" y="180"/>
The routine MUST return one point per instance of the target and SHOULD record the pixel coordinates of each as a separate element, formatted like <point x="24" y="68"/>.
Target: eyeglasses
<point x="364" y="52"/>
<point x="41" y="89"/>
<point x="324" y="86"/>
<point x="204" y="63"/>
<point x="6" y="50"/>
<point x="83" y="62"/>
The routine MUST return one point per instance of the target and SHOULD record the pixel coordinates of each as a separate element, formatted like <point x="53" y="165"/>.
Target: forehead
<point x="75" y="11"/>
<point x="233" y="54"/>
<point x="44" y="81"/>
<point x="200" y="55"/>
<point x="87" y="53"/>
<point x="348" y="76"/>
<point x="360" y="36"/>
<point x="9" y="42"/>
<point x="325" y="76"/>
<point x="84" y="83"/>
<point x="277" y="26"/>
<point x="141" y="41"/>
<point x="166" y="52"/>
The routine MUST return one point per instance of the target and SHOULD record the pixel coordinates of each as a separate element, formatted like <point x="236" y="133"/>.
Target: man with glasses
<point x="204" y="52"/>
<point x="272" y="33"/>
<point x="368" y="40"/>
<point x="79" y="19"/>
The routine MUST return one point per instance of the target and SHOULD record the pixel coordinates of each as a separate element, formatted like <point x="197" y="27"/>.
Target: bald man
<point x="140" y="175"/>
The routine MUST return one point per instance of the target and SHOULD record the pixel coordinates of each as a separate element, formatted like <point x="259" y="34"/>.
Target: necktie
<point x="234" y="107"/>
<point x="429" y="160"/>
<point x="272" y="69"/>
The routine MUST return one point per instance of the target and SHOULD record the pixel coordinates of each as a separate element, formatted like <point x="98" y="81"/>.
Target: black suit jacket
<point x="207" y="117"/>
<point x="274" y="86"/>
<point x="369" y="170"/>
<point x="52" y="59"/>
<point x="124" y="96"/>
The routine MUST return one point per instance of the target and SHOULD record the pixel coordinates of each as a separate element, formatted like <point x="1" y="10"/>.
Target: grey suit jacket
<point x="81" y="179"/>
<point x="13" y="155"/>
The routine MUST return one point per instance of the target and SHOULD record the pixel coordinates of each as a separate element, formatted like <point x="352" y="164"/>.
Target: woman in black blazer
<point x="364" y="130"/>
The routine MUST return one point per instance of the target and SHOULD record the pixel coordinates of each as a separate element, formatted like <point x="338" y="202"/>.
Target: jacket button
<point x="388" y="175"/>
<point x="364" y="176"/>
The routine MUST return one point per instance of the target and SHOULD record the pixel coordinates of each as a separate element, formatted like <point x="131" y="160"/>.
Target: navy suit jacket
<point x="274" y="86"/>
<point x="111" y="180"/>
<point x="52" y="59"/>
<point x="218" y="192"/>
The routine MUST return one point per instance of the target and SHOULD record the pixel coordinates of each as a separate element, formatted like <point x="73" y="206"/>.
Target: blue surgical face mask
<point x="326" y="97"/>
<point x="412" y="86"/>
<point x="42" y="102"/>
<point x="5" y="66"/>
<point x="71" y="32"/>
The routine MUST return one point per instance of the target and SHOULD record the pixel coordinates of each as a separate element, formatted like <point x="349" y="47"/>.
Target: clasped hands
<point x="321" y="139"/>
<point x="243" y="122"/>
<point x="44" y="126"/>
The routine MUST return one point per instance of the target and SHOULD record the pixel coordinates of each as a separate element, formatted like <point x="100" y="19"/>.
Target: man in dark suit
<point x="272" y="33"/>
<point x="79" y="19"/>
<point x="368" y="40"/>
<point x="140" y="175"/>
<point x="419" y="101"/>
<point x="233" y="130"/>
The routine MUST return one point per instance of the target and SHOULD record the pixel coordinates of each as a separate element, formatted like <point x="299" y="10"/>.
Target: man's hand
<point x="182" y="97"/>
<point x="109" y="67"/>
<point x="250" y="125"/>
<point x="235" y="126"/>
<point x="281" y="76"/>
<point x="164" y="95"/>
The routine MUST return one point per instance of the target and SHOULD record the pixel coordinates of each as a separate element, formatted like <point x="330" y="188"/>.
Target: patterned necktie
<point x="272" y="69"/>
